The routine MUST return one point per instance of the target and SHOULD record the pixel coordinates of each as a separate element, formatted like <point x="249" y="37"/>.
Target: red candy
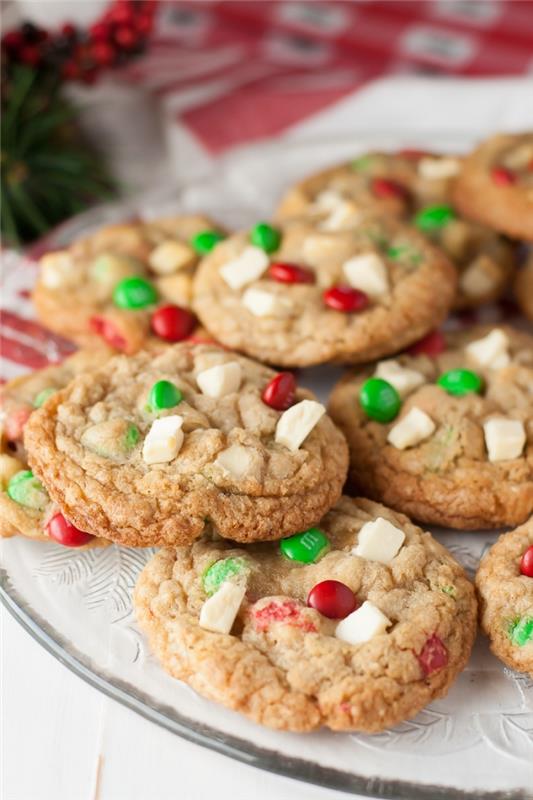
<point x="344" y="298"/>
<point x="433" y="655"/>
<point x="280" y="392"/>
<point x="107" y="330"/>
<point x="290" y="273"/>
<point x="432" y="344"/>
<point x="288" y="612"/>
<point x="384" y="189"/>
<point x="333" y="599"/>
<point x="15" y="422"/>
<point x="526" y="562"/>
<point x="173" y="323"/>
<point x="502" y="176"/>
<point x="411" y="153"/>
<point x="62" y="531"/>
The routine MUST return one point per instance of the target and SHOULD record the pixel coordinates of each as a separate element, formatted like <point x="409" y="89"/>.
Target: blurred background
<point x="103" y="97"/>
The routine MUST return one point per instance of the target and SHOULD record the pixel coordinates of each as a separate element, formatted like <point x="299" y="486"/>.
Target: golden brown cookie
<point x="504" y="582"/>
<point x="416" y="187"/>
<point x="495" y="185"/>
<point x="126" y="283"/>
<point x="302" y="295"/>
<point x="355" y="625"/>
<point x="447" y="437"/>
<point x="150" y="448"/>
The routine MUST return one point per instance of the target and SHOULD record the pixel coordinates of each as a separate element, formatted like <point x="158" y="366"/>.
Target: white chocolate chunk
<point x="237" y="460"/>
<point x="346" y="213"/>
<point x="363" y="624"/>
<point x="297" y="422"/>
<point x="261" y="303"/>
<point x="411" y="430"/>
<point x="220" y="380"/>
<point x="170" y="256"/>
<point x="403" y="379"/>
<point x="219" y="611"/>
<point x="379" y="540"/>
<point x="491" y="350"/>
<point x="479" y="278"/>
<point x="164" y="440"/>
<point x="368" y="273"/>
<point x="247" y="267"/>
<point x="504" y="438"/>
<point x="438" y="168"/>
<point x="57" y="270"/>
<point x="328" y="200"/>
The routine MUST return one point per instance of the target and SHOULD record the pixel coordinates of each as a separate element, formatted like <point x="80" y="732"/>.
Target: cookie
<point x="151" y="447"/>
<point x="504" y="582"/>
<point x="125" y="283"/>
<point x="524" y="288"/>
<point x="445" y="433"/>
<point x="25" y="506"/>
<point x="495" y="185"/>
<point x="416" y="187"/>
<point x="302" y="296"/>
<point x="355" y="625"/>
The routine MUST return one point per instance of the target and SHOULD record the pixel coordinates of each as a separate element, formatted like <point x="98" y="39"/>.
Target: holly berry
<point x="100" y="31"/>
<point x="344" y="298"/>
<point x="68" y="30"/>
<point x="29" y="54"/>
<point x="13" y="40"/>
<point x="502" y="176"/>
<point x="433" y="656"/>
<point x="526" y="562"/>
<point x="103" y="53"/>
<point x="108" y="331"/>
<point x="62" y="531"/>
<point x="431" y="345"/>
<point x="280" y="392"/>
<point x="71" y="70"/>
<point x="385" y="189"/>
<point x="332" y="599"/>
<point x="290" y="273"/>
<point x="172" y="323"/>
<point x="125" y="37"/>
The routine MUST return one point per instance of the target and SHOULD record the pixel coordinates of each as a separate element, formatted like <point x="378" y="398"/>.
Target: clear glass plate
<point x="475" y="743"/>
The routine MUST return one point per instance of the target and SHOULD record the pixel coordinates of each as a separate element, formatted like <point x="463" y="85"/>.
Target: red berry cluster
<point x="80" y="55"/>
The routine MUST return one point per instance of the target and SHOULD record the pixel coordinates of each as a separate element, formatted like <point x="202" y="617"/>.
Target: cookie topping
<point x="290" y="273"/>
<point x="164" y="440"/>
<point x="433" y="656"/>
<point x="491" y="350"/>
<point x="414" y="428"/>
<point x="56" y="270"/>
<point x="265" y="236"/>
<point x="521" y="631"/>
<point x="110" y="268"/>
<point x="295" y="424"/>
<point x="504" y="438"/>
<point x="344" y="298"/>
<point x="438" y="168"/>
<point x="220" y="380"/>
<point x="434" y="217"/>
<point x="460" y="382"/>
<point x="333" y="599"/>
<point x="108" y="331"/>
<point x="307" y="547"/>
<point x="403" y="379"/>
<point x="384" y="189"/>
<point x="502" y="176"/>
<point x="368" y="273"/>
<point x="172" y="323"/>
<point x="112" y="438"/>
<point x="134" y="292"/>
<point x="245" y="268"/>
<point x="164" y="394"/>
<point x="433" y="344"/>
<point x="261" y="303"/>
<point x="63" y="532"/>
<point x="363" y="624"/>
<point x="222" y="571"/>
<point x="379" y="540"/>
<point x="379" y="400"/>
<point x="218" y="613"/>
<point x="526" y="562"/>
<point x="26" y="490"/>
<point x="288" y="612"/>
<point x="205" y="241"/>
<point x="15" y="421"/>
<point x="279" y="393"/>
<point x="42" y="396"/>
<point x="238" y="461"/>
<point x="171" y="256"/>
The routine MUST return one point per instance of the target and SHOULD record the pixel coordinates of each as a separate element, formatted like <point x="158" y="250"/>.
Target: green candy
<point x="131" y="437"/>
<point x="134" y="292"/>
<point x="521" y="631"/>
<point x="204" y="241"/>
<point x="363" y="163"/>
<point x="26" y="490"/>
<point x="379" y="400"/>
<point x="221" y="571"/>
<point x="434" y="217"/>
<point x="306" y="547"/>
<point x="164" y="394"/>
<point x="449" y="590"/>
<point x="265" y="237"/>
<point x="404" y="251"/>
<point x="113" y="438"/>
<point x="460" y="382"/>
<point x="41" y="398"/>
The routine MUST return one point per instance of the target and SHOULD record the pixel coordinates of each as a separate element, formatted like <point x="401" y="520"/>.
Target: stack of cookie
<point x="273" y="594"/>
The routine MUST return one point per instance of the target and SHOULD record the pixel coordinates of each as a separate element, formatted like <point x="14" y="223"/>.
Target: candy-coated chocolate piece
<point x="172" y="323"/>
<point x="344" y="298"/>
<point x="205" y="241"/>
<point x="164" y="394"/>
<point x="280" y="392"/>
<point x="15" y="421"/>
<point x="526" y="562"/>
<point x="460" y="382"/>
<point x="26" y="490"/>
<point x="379" y="400"/>
<point x="307" y="547"/>
<point x="42" y="396"/>
<point x="290" y="273"/>
<point x="288" y="612"/>
<point x="433" y="344"/>
<point x="521" y="631"/>
<point x="134" y="292"/>
<point x="64" y="532"/>
<point x="434" y="217"/>
<point x="108" y="331"/>
<point x="265" y="236"/>
<point x="503" y="176"/>
<point x="219" y="572"/>
<point x="433" y="656"/>
<point x="385" y="188"/>
<point x="333" y="599"/>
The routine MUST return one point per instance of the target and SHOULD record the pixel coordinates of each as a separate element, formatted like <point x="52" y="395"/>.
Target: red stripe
<point x="34" y="329"/>
<point x="22" y="354"/>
